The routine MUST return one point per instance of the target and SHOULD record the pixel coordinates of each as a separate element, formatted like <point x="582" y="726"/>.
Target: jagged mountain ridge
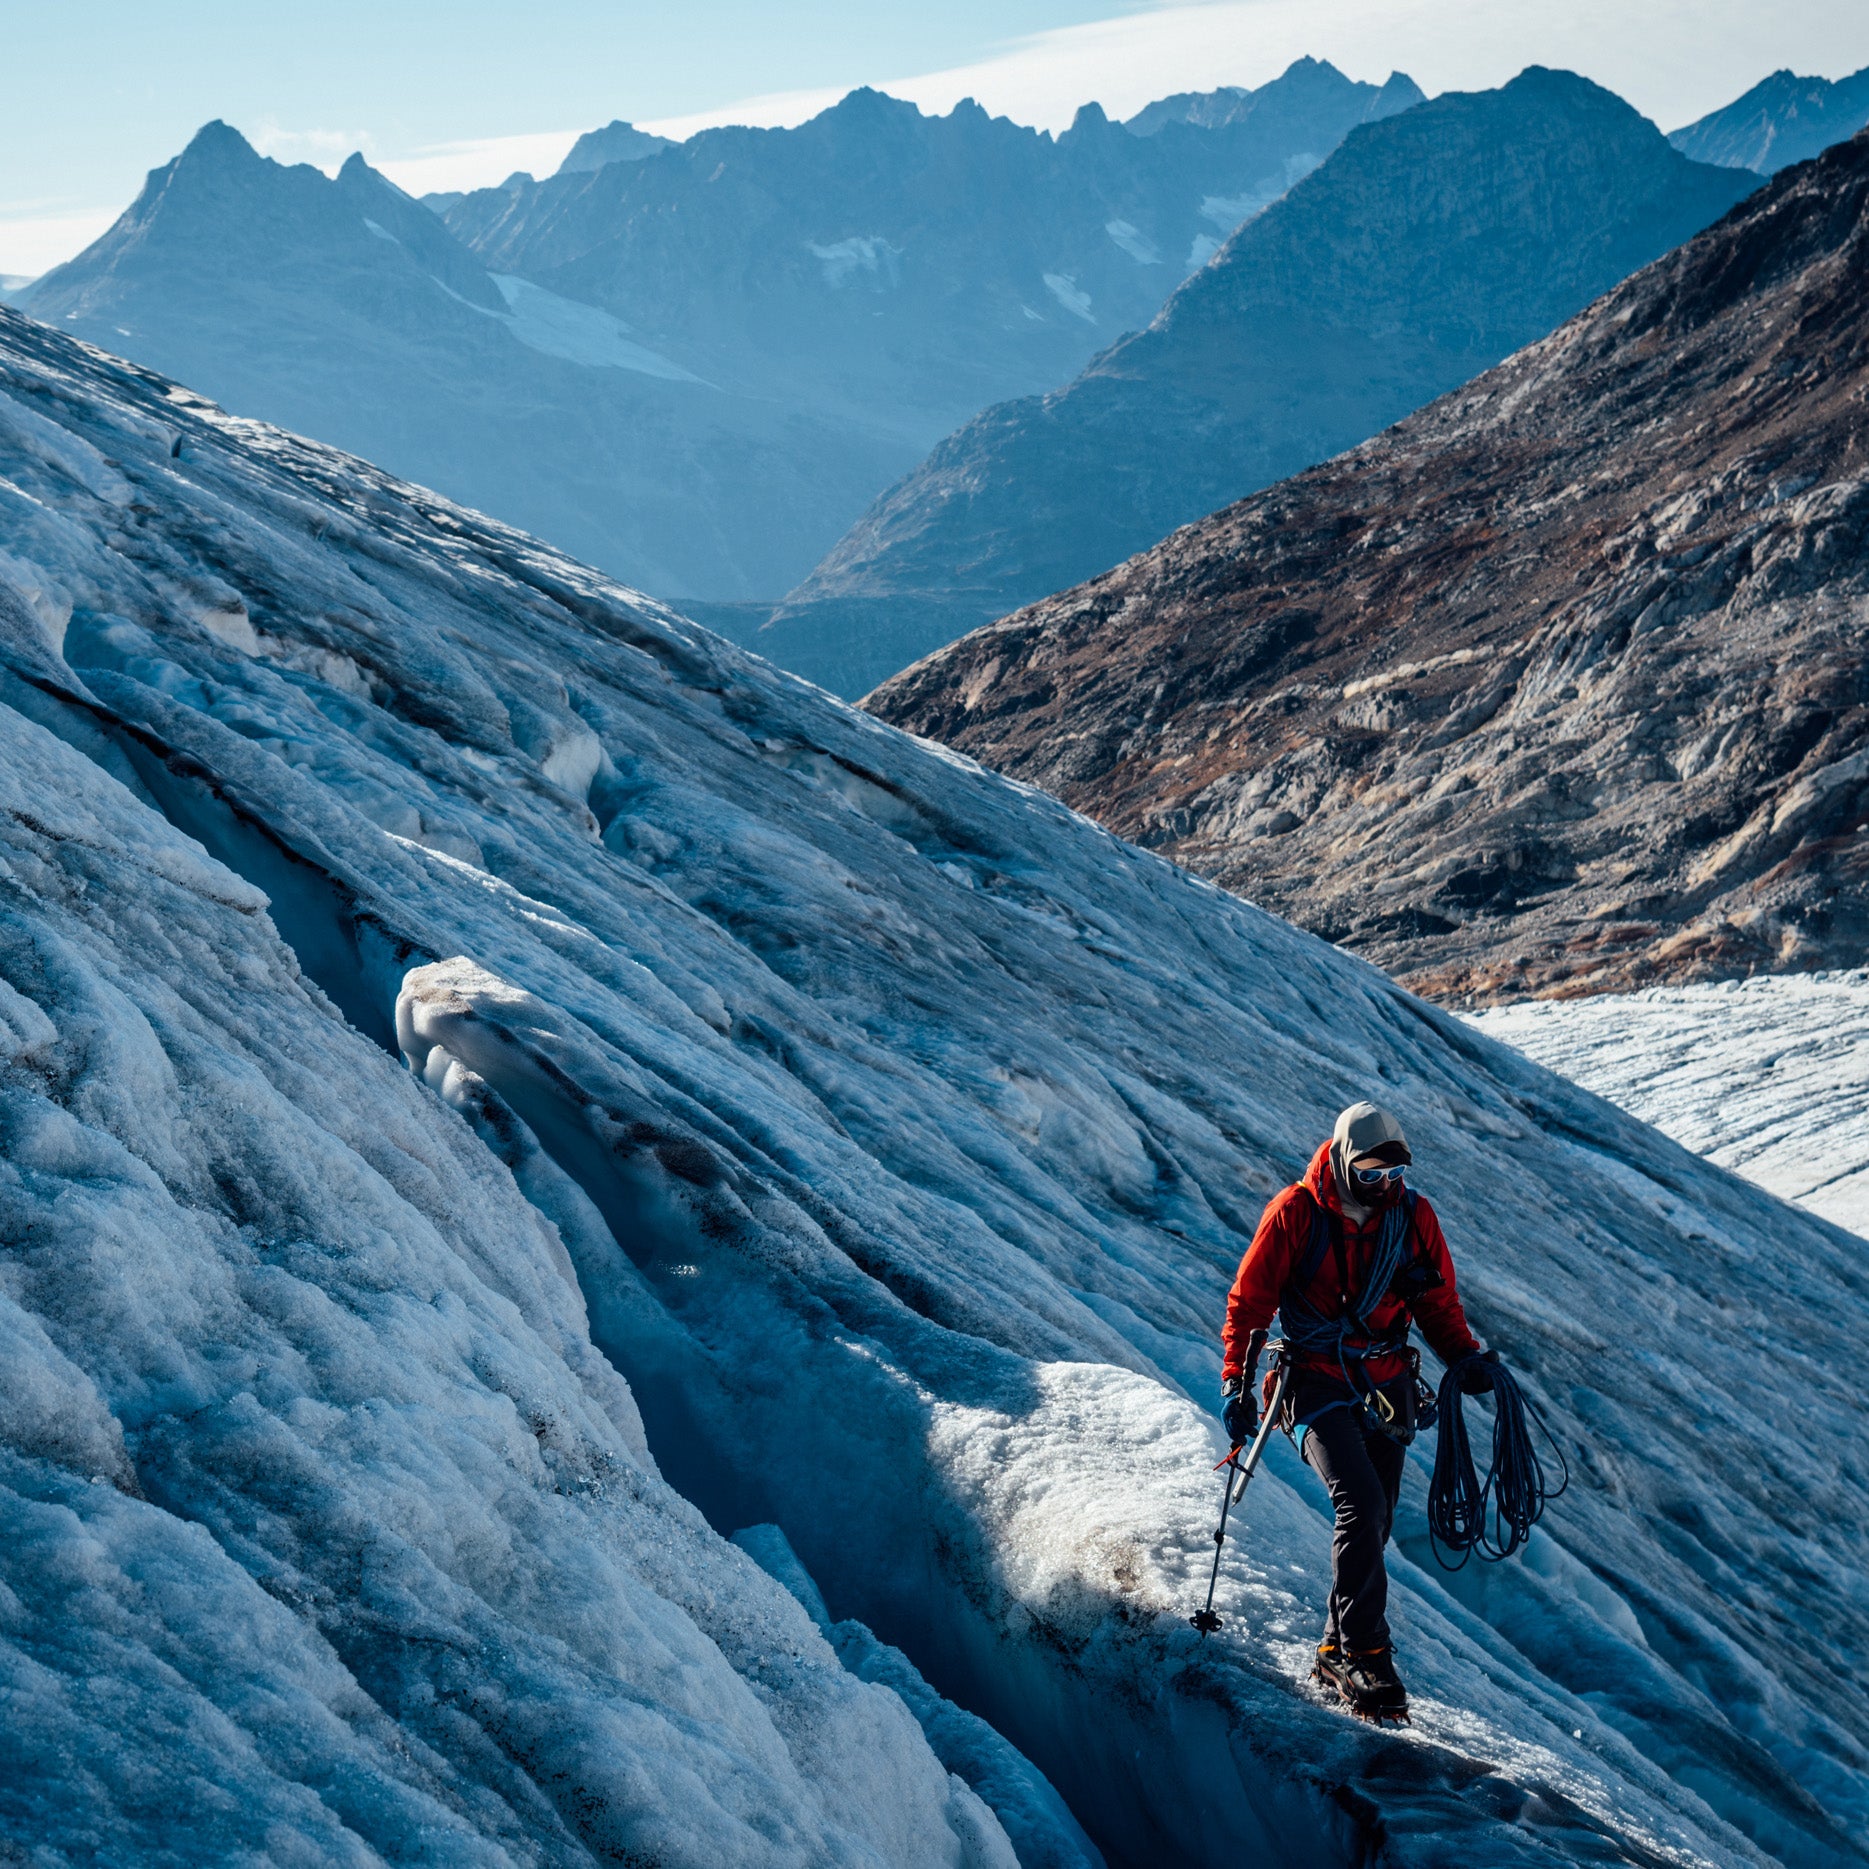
<point x="1270" y="106"/>
<point x="888" y="1134"/>
<point x="750" y="335"/>
<point x="914" y="267"/>
<point x="1428" y="247"/>
<point x="1783" y="119"/>
<point x="347" y="310"/>
<point x="1557" y="687"/>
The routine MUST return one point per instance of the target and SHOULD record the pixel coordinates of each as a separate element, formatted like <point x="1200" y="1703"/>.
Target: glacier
<point x="504" y="1091"/>
<point x="1768" y="1076"/>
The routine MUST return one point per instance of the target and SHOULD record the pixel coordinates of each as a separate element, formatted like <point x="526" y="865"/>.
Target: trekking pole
<point x="1204" y="1618"/>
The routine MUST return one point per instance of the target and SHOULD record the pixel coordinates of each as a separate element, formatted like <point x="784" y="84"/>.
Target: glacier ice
<point x="328" y="1534"/>
<point x="1768" y="1077"/>
<point x="503" y="1089"/>
<point x="1037" y="1822"/>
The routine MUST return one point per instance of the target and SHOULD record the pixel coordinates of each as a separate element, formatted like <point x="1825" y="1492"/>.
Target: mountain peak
<point x="1783" y="119"/>
<point x="617" y="141"/>
<point x="1429" y="246"/>
<point x="1306" y="84"/>
<point x="221" y="144"/>
<point x="867" y="101"/>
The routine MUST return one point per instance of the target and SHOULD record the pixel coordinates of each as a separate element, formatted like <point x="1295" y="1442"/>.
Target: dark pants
<point x="1362" y="1469"/>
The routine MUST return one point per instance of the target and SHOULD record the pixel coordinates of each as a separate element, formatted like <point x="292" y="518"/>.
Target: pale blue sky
<point x="456" y="92"/>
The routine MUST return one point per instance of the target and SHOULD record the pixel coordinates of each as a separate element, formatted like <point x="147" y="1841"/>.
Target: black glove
<point x="1239" y="1410"/>
<point x="1477" y="1378"/>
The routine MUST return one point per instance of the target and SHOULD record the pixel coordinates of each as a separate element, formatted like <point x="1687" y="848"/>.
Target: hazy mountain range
<point x="898" y="269"/>
<point x="698" y="364"/>
<point x="1557" y="687"/>
<point x="1429" y="246"/>
<point x="695" y="364"/>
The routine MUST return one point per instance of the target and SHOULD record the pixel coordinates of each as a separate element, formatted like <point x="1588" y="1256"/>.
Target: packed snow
<point x="1768" y="1077"/>
<point x="505" y="1090"/>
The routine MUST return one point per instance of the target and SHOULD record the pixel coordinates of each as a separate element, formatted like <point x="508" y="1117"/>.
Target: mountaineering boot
<point x="1368" y="1682"/>
<point x="1365" y="1680"/>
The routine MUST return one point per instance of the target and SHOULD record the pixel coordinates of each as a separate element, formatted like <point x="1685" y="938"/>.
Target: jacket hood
<point x="1362" y="1129"/>
<point x="1321" y="1182"/>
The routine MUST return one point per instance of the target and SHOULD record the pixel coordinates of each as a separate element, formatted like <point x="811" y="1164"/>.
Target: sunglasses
<point x="1374" y="1177"/>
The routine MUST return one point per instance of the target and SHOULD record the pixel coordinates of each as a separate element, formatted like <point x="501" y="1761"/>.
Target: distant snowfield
<point x="502" y="1093"/>
<point x="565" y="328"/>
<point x="579" y="333"/>
<point x="1768" y="1077"/>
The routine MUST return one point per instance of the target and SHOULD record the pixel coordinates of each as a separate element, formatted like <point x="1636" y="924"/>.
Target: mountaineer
<point x="1346" y="1258"/>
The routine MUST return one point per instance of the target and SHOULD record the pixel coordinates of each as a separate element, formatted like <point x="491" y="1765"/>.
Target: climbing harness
<point x="1239" y="1476"/>
<point x="1495" y="1516"/>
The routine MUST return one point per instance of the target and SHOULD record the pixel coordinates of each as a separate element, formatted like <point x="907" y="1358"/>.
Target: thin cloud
<point x="323" y="149"/>
<point x="475" y="162"/>
<point x="478" y="163"/>
<point x="1673" y="59"/>
<point x="33" y="243"/>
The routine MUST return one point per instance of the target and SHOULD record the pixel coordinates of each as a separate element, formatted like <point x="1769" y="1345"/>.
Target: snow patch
<point x="1064" y="288"/>
<point x="579" y="333"/>
<point x="1134" y="242"/>
<point x="866" y="259"/>
<point x="1227" y="211"/>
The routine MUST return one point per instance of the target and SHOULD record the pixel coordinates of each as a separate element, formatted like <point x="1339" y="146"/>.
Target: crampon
<point x="1367" y="1684"/>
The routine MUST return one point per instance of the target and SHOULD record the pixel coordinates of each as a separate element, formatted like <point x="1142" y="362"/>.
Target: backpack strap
<point x="1315" y="1249"/>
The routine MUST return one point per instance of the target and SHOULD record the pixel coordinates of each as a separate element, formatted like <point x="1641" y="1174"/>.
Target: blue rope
<point x="1494" y="1517"/>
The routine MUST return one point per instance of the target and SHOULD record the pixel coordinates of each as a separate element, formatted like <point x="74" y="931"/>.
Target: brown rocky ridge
<point x="1557" y="687"/>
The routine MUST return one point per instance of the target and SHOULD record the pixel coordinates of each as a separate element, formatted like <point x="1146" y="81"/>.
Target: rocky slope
<point x="448" y="1004"/>
<point x="1556" y="687"/>
<point x="1783" y="119"/>
<point x="1428" y="247"/>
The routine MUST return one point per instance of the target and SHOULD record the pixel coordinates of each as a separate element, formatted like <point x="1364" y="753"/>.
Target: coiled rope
<point x="1347" y="1338"/>
<point x="1495" y="1517"/>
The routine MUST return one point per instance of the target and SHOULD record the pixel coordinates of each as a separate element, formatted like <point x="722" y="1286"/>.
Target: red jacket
<point x="1277" y="1252"/>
